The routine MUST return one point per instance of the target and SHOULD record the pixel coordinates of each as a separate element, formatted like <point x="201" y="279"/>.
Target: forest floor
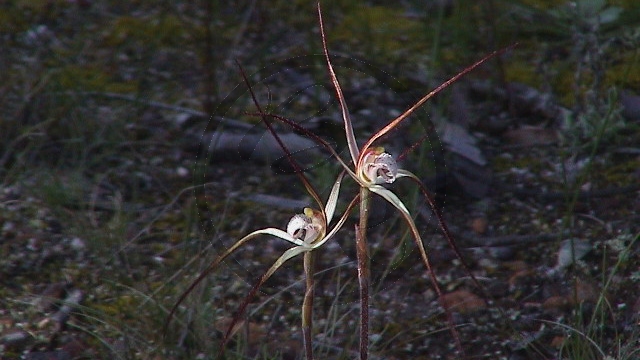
<point x="121" y="179"/>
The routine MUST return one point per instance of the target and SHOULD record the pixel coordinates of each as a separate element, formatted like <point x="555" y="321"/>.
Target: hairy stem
<point x="307" y="304"/>
<point x="363" y="271"/>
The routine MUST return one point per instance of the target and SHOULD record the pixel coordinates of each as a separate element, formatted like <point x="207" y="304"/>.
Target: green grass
<point x="588" y="334"/>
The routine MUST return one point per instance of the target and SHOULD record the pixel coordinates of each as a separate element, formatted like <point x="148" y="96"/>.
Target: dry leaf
<point x="479" y="225"/>
<point x="462" y="301"/>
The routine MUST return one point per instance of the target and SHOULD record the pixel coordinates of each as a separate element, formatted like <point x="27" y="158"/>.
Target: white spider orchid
<point x="378" y="167"/>
<point x="306" y="231"/>
<point x="373" y="167"/>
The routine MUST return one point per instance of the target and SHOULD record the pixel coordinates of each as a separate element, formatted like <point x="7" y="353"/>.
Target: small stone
<point x="182" y="171"/>
<point x="15" y="339"/>
<point x="78" y="244"/>
<point x="479" y="225"/>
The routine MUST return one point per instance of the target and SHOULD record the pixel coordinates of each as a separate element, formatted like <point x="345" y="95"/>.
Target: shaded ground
<point x="105" y="220"/>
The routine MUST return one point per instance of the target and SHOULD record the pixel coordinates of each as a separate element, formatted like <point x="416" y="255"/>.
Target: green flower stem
<point x="363" y="270"/>
<point x="307" y="304"/>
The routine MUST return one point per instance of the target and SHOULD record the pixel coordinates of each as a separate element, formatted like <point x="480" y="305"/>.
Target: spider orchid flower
<point x="377" y="167"/>
<point x="306" y="231"/>
<point x="374" y="167"/>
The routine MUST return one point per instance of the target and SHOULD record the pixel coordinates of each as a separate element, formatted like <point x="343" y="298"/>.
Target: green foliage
<point x="89" y="78"/>
<point x="588" y="33"/>
<point x="155" y="32"/>
<point x="588" y="338"/>
<point x="385" y="33"/>
<point x="60" y="191"/>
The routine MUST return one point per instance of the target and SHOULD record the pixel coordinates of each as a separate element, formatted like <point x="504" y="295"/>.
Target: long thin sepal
<point x="442" y="224"/>
<point x="292" y="161"/>
<point x="339" y="224"/>
<point x="348" y="127"/>
<point x="395" y="201"/>
<point x="320" y="141"/>
<point x="268" y="231"/>
<point x="424" y="99"/>
<point x="290" y="253"/>
<point x="332" y="201"/>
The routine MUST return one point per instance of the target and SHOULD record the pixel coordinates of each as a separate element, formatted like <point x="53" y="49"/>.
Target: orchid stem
<point x="307" y="304"/>
<point x="363" y="271"/>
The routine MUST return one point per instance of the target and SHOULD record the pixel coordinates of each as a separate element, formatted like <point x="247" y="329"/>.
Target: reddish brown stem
<point x="363" y="271"/>
<point x="307" y="304"/>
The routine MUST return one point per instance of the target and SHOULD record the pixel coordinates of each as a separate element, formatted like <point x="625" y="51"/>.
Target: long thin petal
<point x="338" y="225"/>
<point x="443" y="225"/>
<point x="406" y="173"/>
<point x="297" y="169"/>
<point x="390" y="197"/>
<point x="320" y="141"/>
<point x="271" y="231"/>
<point x="268" y="231"/>
<point x="332" y="201"/>
<point x="424" y="99"/>
<point x="348" y="127"/>
<point x="393" y="199"/>
<point x="290" y="253"/>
